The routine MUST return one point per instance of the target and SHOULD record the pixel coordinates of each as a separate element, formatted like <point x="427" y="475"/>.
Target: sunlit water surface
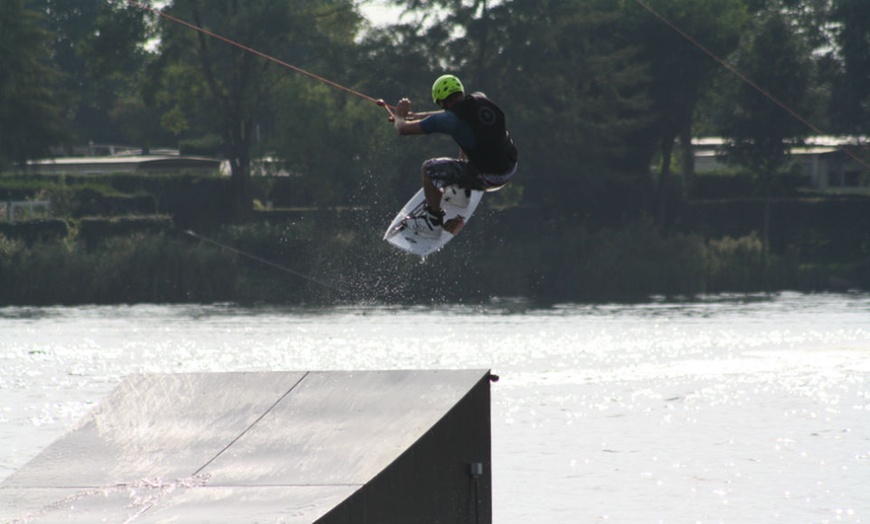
<point x="734" y="409"/>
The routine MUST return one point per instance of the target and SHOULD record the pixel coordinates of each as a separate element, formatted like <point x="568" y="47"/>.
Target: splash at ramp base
<point x="292" y="447"/>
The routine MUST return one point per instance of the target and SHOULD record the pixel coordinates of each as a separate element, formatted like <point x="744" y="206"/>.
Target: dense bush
<point x="32" y="231"/>
<point x="136" y="268"/>
<point x="591" y="252"/>
<point x="94" y="230"/>
<point x="729" y="185"/>
<point x="305" y="262"/>
<point x="196" y="201"/>
<point x="820" y="229"/>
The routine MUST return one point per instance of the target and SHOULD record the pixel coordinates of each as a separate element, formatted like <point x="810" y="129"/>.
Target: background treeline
<point x="596" y="92"/>
<point x="181" y="249"/>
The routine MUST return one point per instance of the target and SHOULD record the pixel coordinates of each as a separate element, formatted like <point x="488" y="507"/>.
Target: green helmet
<point x="445" y="86"/>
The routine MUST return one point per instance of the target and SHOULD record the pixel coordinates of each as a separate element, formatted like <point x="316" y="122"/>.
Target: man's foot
<point x="454" y="225"/>
<point x="428" y="224"/>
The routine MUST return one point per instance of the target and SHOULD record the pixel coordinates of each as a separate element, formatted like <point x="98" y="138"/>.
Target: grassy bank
<point x="316" y="261"/>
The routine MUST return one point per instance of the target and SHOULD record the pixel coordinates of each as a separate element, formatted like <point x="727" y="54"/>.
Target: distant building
<point x="822" y="160"/>
<point x="110" y="159"/>
<point x="97" y="159"/>
<point x="123" y="164"/>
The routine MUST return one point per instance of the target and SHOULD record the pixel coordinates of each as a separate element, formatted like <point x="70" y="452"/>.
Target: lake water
<point x="736" y="409"/>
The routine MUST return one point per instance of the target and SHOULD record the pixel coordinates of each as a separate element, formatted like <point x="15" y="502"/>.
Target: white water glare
<point x="738" y="409"/>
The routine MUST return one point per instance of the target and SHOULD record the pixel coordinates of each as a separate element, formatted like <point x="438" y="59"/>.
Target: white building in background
<point x="823" y="160"/>
<point x="100" y="165"/>
<point x="99" y="159"/>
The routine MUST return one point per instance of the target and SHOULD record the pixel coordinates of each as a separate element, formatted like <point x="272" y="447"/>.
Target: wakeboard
<point x="407" y="232"/>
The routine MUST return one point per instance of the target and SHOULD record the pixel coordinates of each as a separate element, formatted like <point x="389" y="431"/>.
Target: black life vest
<point x="495" y="151"/>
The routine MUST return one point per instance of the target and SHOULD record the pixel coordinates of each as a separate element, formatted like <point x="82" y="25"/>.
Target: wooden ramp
<point x="290" y="447"/>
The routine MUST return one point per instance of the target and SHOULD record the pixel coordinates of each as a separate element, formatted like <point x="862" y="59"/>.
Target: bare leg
<point x="433" y="194"/>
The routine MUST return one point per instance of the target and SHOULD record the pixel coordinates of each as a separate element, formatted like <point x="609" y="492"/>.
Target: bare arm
<point x="412" y="116"/>
<point x="406" y="122"/>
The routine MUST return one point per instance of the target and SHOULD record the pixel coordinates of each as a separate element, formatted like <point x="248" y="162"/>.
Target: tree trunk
<point x="688" y="161"/>
<point x="238" y="152"/>
<point x="765" y="226"/>
<point x="661" y="193"/>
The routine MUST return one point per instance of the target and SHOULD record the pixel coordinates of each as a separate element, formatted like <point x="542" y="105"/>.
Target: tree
<point x="99" y="48"/>
<point x="681" y="71"/>
<point x="340" y="147"/>
<point x="30" y="109"/>
<point x="759" y="131"/>
<point x="851" y="101"/>
<point x="217" y="88"/>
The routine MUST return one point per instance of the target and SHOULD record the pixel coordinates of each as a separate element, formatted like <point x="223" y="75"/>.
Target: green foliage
<point x="850" y="101"/>
<point x="627" y="263"/>
<point x="77" y="196"/>
<point x="594" y="91"/>
<point x="32" y="231"/>
<point x="94" y="230"/>
<point x="680" y="72"/>
<point x="566" y="74"/>
<point x="735" y="183"/>
<point x="335" y="143"/>
<point x="137" y="268"/>
<point x="155" y="268"/>
<point x="575" y="96"/>
<point x="636" y="262"/>
<point x="205" y="145"/>
<point x="760" y="133"/>
<point x="30" y="109"/>
<point x="18" y="188"/>
<point x="8" y="247"/>
<point x="98" y="47"/>
<point x="329" y="257"/>
<point x="591" y="88"/>
<point x="736" y="264"/>
<point x="210" y="87"/>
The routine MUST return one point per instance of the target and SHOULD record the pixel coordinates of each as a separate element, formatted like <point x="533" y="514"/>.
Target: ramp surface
<point x="292" y="447"/>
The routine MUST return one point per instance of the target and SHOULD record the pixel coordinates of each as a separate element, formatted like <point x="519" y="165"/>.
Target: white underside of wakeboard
<point x="457" y="203"/>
